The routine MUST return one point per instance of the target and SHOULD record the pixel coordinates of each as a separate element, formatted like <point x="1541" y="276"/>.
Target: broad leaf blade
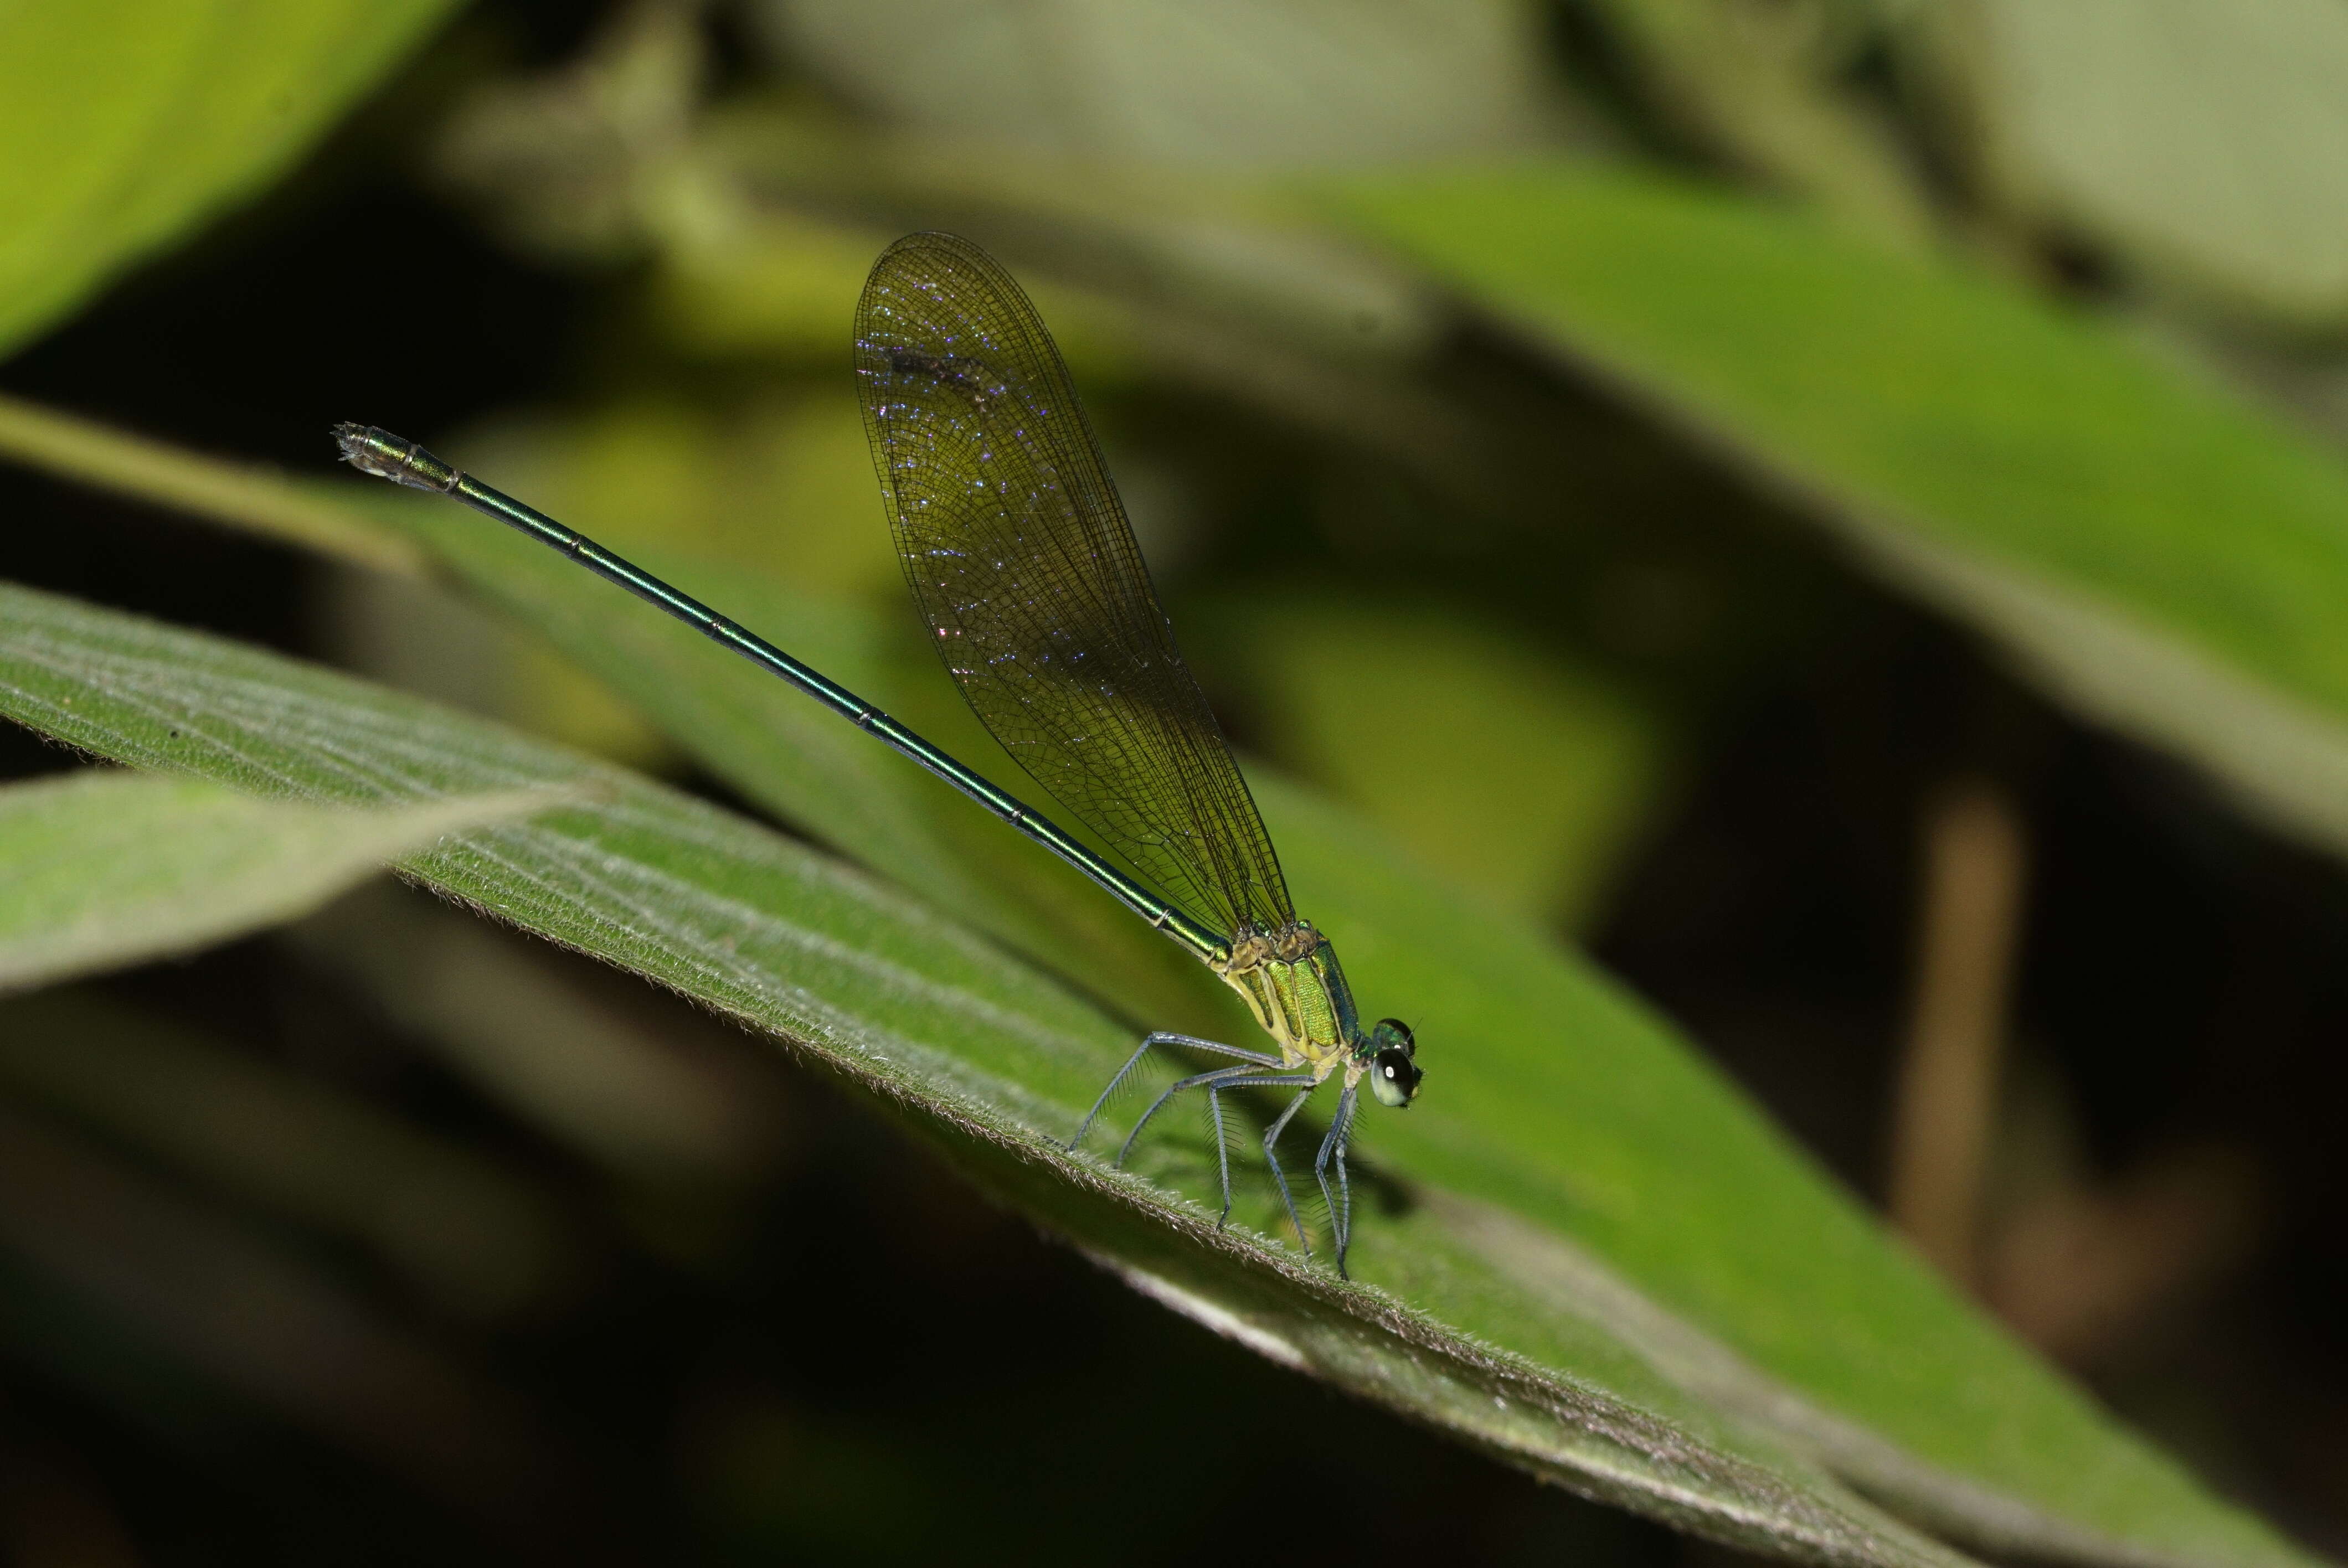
<point x="2167" y="559"/>
<point x="978" y="1053"/>
<point x="102" y="869"/>
<point x="2171" y="560"/>
<point x="1659" y="1189"/>
<point x="1550" y="1094"/>
<point x="123" y="121"/>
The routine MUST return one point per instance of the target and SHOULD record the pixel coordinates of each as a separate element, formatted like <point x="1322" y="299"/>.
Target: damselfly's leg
<point x="1271" y="1136"/>
<point x="1256" y="1058"/>
<point x="1246" y="1075"/>
<point x="1228" y="1079"/>
<point x="1341" y="1206"/>
<point x="1194" y="1081"/>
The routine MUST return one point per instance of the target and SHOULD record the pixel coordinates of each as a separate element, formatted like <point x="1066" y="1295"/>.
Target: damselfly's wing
<point x="1020" y="555"/>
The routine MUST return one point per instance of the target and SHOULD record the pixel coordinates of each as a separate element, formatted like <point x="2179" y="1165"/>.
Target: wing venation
<point x="1019" y="554"/>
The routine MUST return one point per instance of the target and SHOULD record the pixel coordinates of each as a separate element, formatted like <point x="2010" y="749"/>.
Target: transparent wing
<point x="1020" y="555"/>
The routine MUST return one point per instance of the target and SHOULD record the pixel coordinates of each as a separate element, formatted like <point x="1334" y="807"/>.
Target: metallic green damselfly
<point x="1019" y="554"/>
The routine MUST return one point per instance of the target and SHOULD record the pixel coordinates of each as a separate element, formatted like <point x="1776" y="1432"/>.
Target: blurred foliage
<point x="1542" y="419"/>
<point x="135" y="120"/>
<point x="109" y="868"/>
<point x="2203" y="143"/>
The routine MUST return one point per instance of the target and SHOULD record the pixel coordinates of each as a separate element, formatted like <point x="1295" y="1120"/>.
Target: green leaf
<point x="2160" y="555"/>
<point x="1283" y="83"/>
<point x="524" y="1032"/>
<point x="252" y="499"/>
<point x="1531" y="798"/>
<point x="1760" y="87"/>
<point x="1611" y="1171"/>
<point x="2204" y="140"/>
<point x="981" y="1054"/>
<point x="124" y="121"/>
<point x="102" y="869"/>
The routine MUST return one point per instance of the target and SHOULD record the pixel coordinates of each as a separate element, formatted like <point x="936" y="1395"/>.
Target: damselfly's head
<point x="1394" y="1075"/>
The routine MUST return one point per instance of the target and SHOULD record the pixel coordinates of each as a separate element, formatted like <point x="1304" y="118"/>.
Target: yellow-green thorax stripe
<point x="1295" y="988"/>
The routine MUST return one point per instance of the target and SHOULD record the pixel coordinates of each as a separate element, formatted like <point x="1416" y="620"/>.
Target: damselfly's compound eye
<point x="1394" y="1077"/>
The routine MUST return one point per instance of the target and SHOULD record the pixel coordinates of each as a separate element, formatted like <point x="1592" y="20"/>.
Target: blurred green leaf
<point x="1287" y="84"/>
<point x="2164" y="558"/>
<point x="1503" y="767"/>
<point x="102" y="869"/>
<point x="1754" y="83"/>
<point x="599" y="1080"/>
<point x="2205" y="140"/>
<point x="769" y="283"/>
<point x="783" y="482"/>
<point x="764" y="211"/>
<point x="124" y="121"/>
<point x="239" y="495"/>
<point x="988" y="1059"/>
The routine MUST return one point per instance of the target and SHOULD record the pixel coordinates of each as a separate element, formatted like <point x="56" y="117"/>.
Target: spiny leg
<point x="1341" y="1207"/>
<point x="1222" y="1148"/>
<point x="1193" y="1081"/>
<point x="1255" y="1058"/>
<point x="1271" y="1136"/>
<point x="1237" y="1077"/>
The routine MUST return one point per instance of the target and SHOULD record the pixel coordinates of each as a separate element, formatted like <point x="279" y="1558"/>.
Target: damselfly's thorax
<point x="1297" y="990"/>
